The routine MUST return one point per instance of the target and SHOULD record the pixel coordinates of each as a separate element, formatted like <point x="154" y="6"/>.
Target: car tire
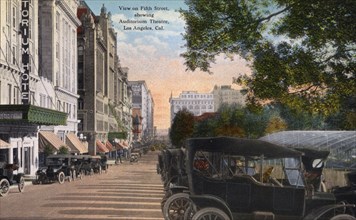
<point x="343" y="217"/>
<point x="61" y="178"/>
<point x="4" y="187"/>
<point x="74" y="175"/>
<point x="176" y="205"/>
<point x="21" y="184"/>
<point x="210" y="213"/>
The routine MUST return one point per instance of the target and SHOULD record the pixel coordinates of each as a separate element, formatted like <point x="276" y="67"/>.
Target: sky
<point x="152" y="51"/>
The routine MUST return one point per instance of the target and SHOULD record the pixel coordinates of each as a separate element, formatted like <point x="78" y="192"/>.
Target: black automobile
<point x="347" y="194"/>
<point x="58" y="168"/>
<point x="8" y="178"/>
<point x="233" y="178"/>
<point x="174" y="177"/>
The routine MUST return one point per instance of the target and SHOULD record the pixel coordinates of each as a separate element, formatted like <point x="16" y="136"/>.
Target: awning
<point x="4" y="145"/>
<point x="100" y="147"/>
<point x="109" y="146"/>
<point x="75" y="144"/>
<point x="50" y="138"/>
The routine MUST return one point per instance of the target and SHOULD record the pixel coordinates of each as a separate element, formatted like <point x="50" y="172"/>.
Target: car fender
<point x="18" y="176"/>
<point x="203" y="201"/>
<point x="315" y="214"/>
<point x="178" y="189"/>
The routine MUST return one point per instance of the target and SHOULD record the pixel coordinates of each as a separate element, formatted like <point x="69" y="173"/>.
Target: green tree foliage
<point x="63" y="150"/>
<point x="276" y="124"/>
<point x="302" y="53"/>
<point x="48" y="150"/>
<point x="182" y="127"/>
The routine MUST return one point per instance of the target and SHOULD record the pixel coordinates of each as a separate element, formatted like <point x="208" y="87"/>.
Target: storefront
<point x="19" y="133"/>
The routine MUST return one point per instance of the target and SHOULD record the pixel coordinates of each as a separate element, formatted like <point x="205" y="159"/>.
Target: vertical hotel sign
<point x="25" y="76"/>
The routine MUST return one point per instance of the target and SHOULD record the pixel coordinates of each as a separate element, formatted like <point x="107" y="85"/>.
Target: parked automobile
<point x="58" y="168"/>
<point x="104" y="163"/>
<point x="8" y="178"/>
<point x="86" y="166"/>
<point x="232" y="178"/>
<point x="174" y="178"/>
<point x="347" y="194"/>
<point x="96" y="164"/>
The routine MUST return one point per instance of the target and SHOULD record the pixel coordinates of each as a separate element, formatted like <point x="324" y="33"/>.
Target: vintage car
<point x="232" y="178"/>
<point x="96" y="164"/>
<point x="104" y="163"/>
<point x="86" y="166"/>
<point x="347" y="194"/>
<point x="8" y="178"/>
<point x="173" y="175"/>
<point x="58" y="168"/>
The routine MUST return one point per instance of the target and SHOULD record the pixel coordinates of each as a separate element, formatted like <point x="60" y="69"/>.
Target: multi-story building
<point x="102" y="83"/>
<point x="22" y="91"/>
<point x="142" y="111"/>
<point x="196" y="103"/>
<point x="226" y="94"/>
<point x="58" y="25"/>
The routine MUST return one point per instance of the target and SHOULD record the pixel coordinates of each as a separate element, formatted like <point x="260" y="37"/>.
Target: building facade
<point x="102" y="82"/>
<point x="22" y="94"/>
<point x="196" y="103"/>
<point x="58" y="25"/>
<point x="142" y="111"/>
<point x="226" y="94"/>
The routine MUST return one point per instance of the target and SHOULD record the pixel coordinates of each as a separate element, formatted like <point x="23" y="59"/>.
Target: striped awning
<point x="75" y="144"/>
<point x="51" y="139"/>
<point x="4" y="145"/>
<point x="109" y="146"/>
<point x="100" y="147"/>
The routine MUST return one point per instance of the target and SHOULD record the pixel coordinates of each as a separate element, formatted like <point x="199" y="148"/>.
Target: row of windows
<point x="193" y="102"/>
<point x="196" y="96"/>
<point x="190" y="107"/>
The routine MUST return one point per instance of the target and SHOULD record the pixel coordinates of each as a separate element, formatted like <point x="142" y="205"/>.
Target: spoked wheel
<point x="4" y="187"/>
<point x="176" y="206"/>
<point x="343" y="217"/>
<point x="61" y="178"/>
<point x="21" y="184"/>
<point x="210" y="213"/>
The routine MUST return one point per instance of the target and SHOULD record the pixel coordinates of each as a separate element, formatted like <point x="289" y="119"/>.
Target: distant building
<point x="142" y="111"/>
<point x="196" y="103"/>
<point x="226" y="94"/>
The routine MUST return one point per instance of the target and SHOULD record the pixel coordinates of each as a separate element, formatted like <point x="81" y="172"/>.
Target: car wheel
<point x="61" y="178"/>
<point x="21" y="184"/>
<point x="4" y="187"/>
<point x="100" y="170"/>
<point x="343" y="217"/>
<point x="91" y="172"/>
<point x="210" y="213"/>
<point x="176" y="205"/>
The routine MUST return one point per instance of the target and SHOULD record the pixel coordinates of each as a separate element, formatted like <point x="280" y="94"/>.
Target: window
<point x="14" y="17"/>
<point x="57" y="21"/>
<point x="13" y="55"/>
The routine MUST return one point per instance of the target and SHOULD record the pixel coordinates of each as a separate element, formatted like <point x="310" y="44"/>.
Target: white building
<point x="58" y="24"/>
<point x="196" y="103"/>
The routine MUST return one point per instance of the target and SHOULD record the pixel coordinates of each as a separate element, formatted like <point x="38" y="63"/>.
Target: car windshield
<point x="293" y="173"/>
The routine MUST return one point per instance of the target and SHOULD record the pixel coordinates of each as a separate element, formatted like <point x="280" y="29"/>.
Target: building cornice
<point x="67" y="10"/>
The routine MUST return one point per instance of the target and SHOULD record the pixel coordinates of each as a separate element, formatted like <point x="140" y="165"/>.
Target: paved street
<point x="127" y="191"/>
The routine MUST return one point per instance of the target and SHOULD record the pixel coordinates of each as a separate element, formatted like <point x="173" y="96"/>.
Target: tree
<point x="302" y="53"/>
<point x="63" y="150"/>
<point x="182" y="127"/>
